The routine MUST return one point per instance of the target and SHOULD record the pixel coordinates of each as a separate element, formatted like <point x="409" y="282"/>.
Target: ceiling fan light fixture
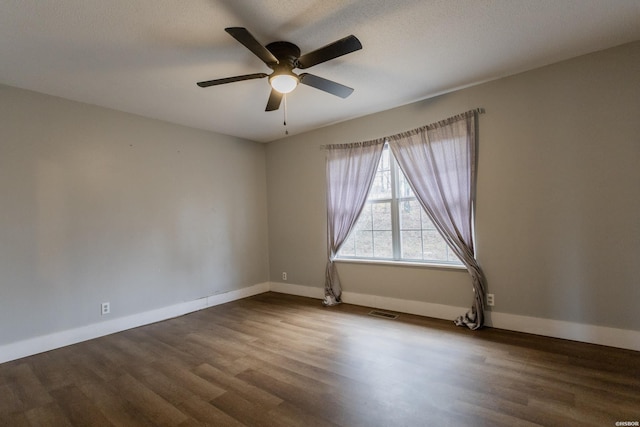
<point x="284" y="83"/>
<point x="283" y="57"/>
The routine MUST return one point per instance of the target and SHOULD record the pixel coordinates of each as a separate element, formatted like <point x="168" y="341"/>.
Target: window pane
<point x="381" y="215"/>
<point x="411" y="242"/>
<point x="404" y="190"/>
<point x="434" y="246"/>
<point x="410" y="213"/>
<point x="348" y="248"/>
<point x="426" y="222"/>
<point x="383" y="244"/>
<point x="385" y="159"/>
<point x="364" y="221"/>
<point x="451" y="257"/>
<point x="381" y="188"/>
<point x="364" y="243"/>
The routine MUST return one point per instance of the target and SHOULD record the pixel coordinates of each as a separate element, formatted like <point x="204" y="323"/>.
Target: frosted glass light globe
<point x="284" y="83"/>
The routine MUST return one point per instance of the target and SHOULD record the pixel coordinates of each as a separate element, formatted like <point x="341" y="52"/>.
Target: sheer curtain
<point x="350" y="172"/>
<point x="439" y="162"/>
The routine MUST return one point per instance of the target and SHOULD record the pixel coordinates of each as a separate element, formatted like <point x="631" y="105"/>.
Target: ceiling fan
<point x="283" y="57"/>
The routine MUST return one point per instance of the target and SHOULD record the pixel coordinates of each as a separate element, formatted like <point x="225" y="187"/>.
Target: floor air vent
<point x="383" y="314"/>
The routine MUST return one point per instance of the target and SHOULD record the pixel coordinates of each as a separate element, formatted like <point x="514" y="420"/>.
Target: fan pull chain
<point x="286" y="131"/>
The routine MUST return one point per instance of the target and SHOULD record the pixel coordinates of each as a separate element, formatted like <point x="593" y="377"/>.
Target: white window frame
<point x="395" y="200"/>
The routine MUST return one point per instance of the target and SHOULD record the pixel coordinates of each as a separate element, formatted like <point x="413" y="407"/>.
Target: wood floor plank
<point x="157" y="382"/>
<point x="244" y="411"/>
<point x="27" y="388"/>
<point x="516" y="410"/>
<point x="47" y="415"/>
<point x="53" y="372"/>
<point x="290" y="415"/>
<point x="205" y="413"/>
<point x="319" y="403"/>
<point x="118" y="410"/>
<point x="197" y="385"/>
<point x="14" y="419"/>
<point x="10" y="401"/>
<point x="282" y="360"/>
<point x="252" y="393"/>
<point x="159" y="410"/>
<point x="79" y="409"/>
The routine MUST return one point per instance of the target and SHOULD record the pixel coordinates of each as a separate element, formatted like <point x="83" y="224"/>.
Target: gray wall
<point x="558" y="206"/>
<point x="99" y="205"/>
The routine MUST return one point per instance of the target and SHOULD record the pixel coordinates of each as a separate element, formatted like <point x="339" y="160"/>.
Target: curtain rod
<point x="479" y="110"/>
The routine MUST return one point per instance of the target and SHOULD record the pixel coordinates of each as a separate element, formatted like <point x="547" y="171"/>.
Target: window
<point x="393" y="226"/>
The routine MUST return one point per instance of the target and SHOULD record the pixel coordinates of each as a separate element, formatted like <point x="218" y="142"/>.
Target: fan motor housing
<point x="286" y="52"/>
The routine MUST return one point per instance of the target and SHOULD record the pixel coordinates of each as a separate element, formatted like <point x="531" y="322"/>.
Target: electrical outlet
<point x="284" y="275"/>
<point x="105" y="308"/>
<point x="491" y="300"/>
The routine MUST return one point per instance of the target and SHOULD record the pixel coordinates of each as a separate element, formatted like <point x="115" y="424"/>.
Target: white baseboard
<point x="439" y="311"/>
<point x="299" y="290"/>
<point x="55" y="340"/>
<point x="621" y="338"/>
<point x="613" y="337"/>
<point x="594" y="334"/>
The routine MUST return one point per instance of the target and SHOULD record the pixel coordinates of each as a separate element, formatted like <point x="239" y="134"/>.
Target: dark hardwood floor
<point x="279" y="360"/>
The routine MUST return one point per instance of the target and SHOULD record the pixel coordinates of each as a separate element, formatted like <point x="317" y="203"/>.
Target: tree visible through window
<point x="393" y="226"/>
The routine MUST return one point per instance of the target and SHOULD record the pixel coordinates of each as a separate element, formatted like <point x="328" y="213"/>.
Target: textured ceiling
<point x="145" y="56"/>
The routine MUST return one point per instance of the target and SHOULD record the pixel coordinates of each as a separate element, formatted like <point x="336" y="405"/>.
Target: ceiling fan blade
<point x="326" y="85"/>
<point x="332" y="50"/>
<point x="231" y="79"/>
<point x="244" y="36"/>
<point x="275" y="98"/>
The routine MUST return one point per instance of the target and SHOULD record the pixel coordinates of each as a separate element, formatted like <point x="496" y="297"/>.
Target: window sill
<point x="401" y="263"/>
